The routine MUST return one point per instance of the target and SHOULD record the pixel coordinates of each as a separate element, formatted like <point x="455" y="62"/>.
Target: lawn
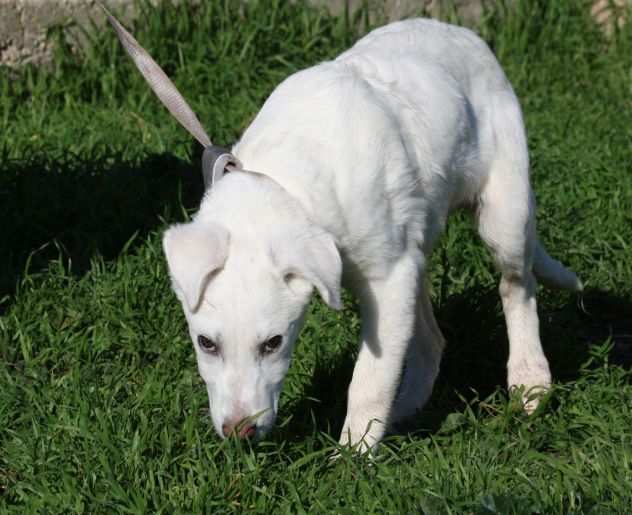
<point x="101" y="406"/>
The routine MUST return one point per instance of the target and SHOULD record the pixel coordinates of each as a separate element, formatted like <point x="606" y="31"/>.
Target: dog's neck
<point x="251" y="204"/>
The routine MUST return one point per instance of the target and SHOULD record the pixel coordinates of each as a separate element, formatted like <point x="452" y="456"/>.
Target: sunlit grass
<point x="101" y="406"/>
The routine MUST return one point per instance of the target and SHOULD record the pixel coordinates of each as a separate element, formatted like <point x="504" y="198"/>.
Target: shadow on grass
<point x="473" y="365"/>
<point x="82" y="206"/>
<point x="474" y="362"/>
<point x="608" y="317"/>
<point x="323" y="406"/>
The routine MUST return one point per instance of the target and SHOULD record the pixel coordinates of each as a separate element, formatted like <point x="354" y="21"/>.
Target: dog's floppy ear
<point x="194" y="251"/>
<point x="315" y="259"/>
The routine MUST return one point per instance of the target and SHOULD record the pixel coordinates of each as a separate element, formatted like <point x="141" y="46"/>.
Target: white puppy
<point x="359" y="162"/>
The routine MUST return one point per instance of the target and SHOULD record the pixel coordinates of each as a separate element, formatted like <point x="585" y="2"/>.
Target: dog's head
<point x="244" y="272"/>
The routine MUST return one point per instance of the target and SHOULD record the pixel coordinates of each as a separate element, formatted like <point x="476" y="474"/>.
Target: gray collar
<point x="216" y="161"/>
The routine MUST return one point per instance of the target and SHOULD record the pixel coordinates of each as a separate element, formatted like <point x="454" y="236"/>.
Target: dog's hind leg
<point x="506" y="222"/>
<point x="422" y="361"/>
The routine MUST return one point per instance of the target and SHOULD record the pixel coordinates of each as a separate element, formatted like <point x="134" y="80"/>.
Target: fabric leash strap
<point x="216" y="161"/>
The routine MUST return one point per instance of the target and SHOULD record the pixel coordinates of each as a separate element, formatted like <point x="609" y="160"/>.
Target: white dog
<point x="359" y="162"/>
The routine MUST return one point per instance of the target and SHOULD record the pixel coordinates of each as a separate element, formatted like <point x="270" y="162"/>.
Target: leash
<point x="216" y="160"/>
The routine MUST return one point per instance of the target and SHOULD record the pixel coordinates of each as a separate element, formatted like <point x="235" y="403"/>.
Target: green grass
<point x="101" y="407"/>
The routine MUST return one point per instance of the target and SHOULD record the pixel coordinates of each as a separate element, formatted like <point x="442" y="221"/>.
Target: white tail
<point x="552" y="273"/>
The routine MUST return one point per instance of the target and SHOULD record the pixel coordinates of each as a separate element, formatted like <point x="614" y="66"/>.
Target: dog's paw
<point x="533" y="380"/>
<point x="362" y="437"/>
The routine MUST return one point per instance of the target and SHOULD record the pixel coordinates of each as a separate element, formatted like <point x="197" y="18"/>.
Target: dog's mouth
<point x="251" y="428"/>
<point x="252" y="433"/>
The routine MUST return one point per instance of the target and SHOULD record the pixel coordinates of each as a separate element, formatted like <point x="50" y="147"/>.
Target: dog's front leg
<point x="388" y="321"/>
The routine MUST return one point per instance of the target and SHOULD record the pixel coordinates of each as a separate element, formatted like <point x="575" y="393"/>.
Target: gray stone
<point x="24" y="23"/>
<point x="11" y="36"/>
<point x="468" y="11"/>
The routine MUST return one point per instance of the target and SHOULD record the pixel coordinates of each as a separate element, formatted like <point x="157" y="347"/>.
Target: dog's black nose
<point x="241" y="428"/>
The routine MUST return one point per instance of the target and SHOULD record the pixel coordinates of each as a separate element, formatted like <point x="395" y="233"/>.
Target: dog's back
<point x="381" y="143"/>
<point x="392" y="51"/>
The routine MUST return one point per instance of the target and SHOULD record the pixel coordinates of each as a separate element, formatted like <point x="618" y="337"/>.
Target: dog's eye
<point x="208" y="345"/>
<point x="269" y="346"/>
